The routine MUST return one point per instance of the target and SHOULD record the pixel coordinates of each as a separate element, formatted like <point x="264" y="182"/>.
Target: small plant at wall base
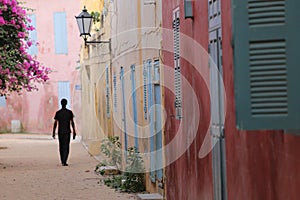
<point x="18" y="69"/>
<point x="134" y="175"/>
<point x="133" y="179"/>
<point x="111" y="148"/>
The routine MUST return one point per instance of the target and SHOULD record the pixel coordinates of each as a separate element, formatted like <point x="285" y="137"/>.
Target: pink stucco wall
<point x="36" y="109"/>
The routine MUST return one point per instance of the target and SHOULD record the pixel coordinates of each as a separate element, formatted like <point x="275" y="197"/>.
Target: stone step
<point x="153" y="196"/>
<point x="109" y="170"/>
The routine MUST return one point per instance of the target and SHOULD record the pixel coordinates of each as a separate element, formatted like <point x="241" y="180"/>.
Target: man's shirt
<point x="64" y="117"/>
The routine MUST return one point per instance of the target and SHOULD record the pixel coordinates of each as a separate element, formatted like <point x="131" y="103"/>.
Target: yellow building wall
<point x="132" y="28"/>
<point x="136" y="38"/>
<point x="94" y="59"/>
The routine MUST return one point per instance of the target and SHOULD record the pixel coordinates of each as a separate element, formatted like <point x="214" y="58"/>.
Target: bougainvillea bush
<point x="18" y="70"/>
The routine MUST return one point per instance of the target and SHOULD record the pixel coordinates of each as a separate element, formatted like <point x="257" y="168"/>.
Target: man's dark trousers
<point x="64" y="147"/>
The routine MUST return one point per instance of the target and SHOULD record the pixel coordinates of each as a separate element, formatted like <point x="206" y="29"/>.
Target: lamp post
<point x="84" y="21"/>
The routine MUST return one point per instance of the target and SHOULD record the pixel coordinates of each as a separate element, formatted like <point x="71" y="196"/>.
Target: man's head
<point x="64" y="103"/>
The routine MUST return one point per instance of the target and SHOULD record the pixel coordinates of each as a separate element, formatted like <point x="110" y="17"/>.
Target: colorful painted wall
<point x="94" y="59"/>
<point x="57" y="35"/>
<point x="137" y="69"/>
<point x="114" y="80"/>
<point x="187" y="176"/>
<point x="258" y="164"/>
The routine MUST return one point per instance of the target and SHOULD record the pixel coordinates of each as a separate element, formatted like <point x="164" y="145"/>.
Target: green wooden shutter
<point x="266" y="64"/>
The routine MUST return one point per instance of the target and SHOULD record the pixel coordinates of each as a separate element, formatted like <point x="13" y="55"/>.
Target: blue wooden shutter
<point x="64" y="92"/>
<point x="134" y="106"/>
<point x="2" y="101"/>
<point x="33" y="50"/>
<point x="107" y="92"/>
<point x="115" y="93"/>
<point x="158" y="122"/>
<point x="60" y="33"/>
<point x="145" y="74"/>
<point x="266" y="62"/>
<point x="151" y="121"/>
<point x="124" y="111"/>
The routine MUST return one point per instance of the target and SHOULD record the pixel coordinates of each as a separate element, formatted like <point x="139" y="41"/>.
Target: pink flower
<point x="31" y="28"/>
<point x="22" y="49"/>
<point x="29" y="43"/>
<point x="21" y="35"/>
<point x="14" y="10"/>
<point x="13" y="2"/>
<point x="26" y="70"/>
<point x="2" y="21"/>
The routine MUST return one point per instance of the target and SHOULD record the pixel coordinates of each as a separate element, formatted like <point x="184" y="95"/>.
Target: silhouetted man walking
<point x="64" y="118"/>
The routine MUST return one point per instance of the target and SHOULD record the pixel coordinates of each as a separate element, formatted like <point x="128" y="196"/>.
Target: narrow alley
<point x="30" y="169"/>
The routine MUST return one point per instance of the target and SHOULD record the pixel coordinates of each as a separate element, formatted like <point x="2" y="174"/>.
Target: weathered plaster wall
<point x="259" y="164"/>
<point x="36" y="109"/>
<point x="92" y="69"/>
<point x="188" y="177"/>
<point x="136" y="38"/>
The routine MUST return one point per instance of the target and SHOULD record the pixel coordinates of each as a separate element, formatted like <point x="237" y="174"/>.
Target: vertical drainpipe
<point x="110" y="125"/>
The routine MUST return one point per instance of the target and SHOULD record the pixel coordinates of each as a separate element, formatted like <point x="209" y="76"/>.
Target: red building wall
<point x="260" y="165"/>
<point x="188" y="177"/>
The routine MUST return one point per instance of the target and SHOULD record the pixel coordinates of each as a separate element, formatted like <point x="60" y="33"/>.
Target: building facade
<point x="241" y="148"/>
<point x="58" y="46"/>
<point x="171" y="85"/>
<point x="121" y="82"/>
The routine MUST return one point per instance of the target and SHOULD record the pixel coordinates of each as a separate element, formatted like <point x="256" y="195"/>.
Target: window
<point x="107" y="92"/>
<point x="266" y="65"/>
<point x="33" y="50"/>
<point x="145" y="74"/>
<point x="176" y="39"/>
<point x="188" y="9"/>
<point x="60" y="33"/>
<point x="2" y="101"/>
<point x="115" y="92"/>
<point x="64" y="92"/>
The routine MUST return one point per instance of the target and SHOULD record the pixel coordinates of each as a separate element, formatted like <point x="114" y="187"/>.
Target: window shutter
<point x="33" y="50"/>
<point x="2" y="101"/>
<point x="107" y="92"/>
<point x="115" y="93"/>
<point x="60" y="33"/>
<point x="188" y="9"/>
<point x="64" y="92"/>
<point x="145" y="74"/>
<point x="266" y="42"/>
<point x="214" y="12"/>
<point x="177" y="81"/>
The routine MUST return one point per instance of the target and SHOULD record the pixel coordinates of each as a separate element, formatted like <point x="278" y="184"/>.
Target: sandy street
<point x="30" y="169"/>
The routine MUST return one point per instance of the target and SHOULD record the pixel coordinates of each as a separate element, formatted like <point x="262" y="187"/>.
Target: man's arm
<point x="54" y="128"/>
<point x="73" y="127"/>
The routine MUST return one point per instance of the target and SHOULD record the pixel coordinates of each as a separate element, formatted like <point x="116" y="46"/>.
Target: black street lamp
<point x="84" y="21"/>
